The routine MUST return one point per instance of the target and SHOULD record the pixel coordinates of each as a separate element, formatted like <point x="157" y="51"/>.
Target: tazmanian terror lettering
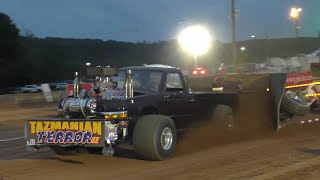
<point x="68" y="137"/>
<point x="94" y="127"/>
<point x="68" y="132"/>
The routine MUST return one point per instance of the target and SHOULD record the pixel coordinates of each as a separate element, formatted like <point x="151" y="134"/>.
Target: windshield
<point x="143" y="81"/>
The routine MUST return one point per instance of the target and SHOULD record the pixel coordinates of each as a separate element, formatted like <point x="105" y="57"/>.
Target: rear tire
<point x="223" y="119"/>
<point x="155" y="137"/>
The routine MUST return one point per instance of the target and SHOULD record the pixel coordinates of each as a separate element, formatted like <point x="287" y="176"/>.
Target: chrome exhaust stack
<point x="128" y="85"/>
<point x="76" y="85"/>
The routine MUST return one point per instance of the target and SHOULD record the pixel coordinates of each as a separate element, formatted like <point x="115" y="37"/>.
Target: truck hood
<point x="111" y="105"/>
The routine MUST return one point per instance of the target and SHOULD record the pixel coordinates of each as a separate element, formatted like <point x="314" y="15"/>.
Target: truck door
<point x="176" y="103"/>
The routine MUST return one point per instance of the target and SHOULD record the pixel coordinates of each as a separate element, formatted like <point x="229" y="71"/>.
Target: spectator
<point x="222" y="69"/>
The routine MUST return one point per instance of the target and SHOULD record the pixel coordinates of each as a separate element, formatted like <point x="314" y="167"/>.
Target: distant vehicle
<point x="33" y="88"/>
<point x="14" y="90"/>
<point x="199" y="71"/>
<point x="61" y="85"/>
<point x="11" y="90"/>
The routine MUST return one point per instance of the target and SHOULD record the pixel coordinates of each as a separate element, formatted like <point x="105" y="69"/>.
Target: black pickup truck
<point x="143" y="106"/>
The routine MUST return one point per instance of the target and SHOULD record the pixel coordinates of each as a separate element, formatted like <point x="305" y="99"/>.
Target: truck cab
<point x="160" y="89"/>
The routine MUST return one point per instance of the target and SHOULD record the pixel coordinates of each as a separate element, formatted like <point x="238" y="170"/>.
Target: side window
<point x="173" y="83"/>
<point x="146" y="80"/>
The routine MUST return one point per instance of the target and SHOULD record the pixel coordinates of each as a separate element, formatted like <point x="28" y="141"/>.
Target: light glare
<point x="294" y="13"/>
<point x="196" y="40"/>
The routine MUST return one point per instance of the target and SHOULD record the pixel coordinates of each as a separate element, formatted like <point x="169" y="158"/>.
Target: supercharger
<point x="83" y="104"/>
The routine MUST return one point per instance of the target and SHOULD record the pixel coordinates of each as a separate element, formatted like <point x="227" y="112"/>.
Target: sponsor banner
<point x="257" y="81"/>
<point x="243" y="82"/>
<point x="299" y="78"/>
<point x="70" y="88"/>
<point x="46" y="132"/>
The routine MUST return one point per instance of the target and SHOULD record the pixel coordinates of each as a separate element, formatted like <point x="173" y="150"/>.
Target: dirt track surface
<point x="292" y="153"/>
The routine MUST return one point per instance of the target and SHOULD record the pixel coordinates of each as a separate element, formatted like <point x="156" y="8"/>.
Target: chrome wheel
<point x="166" y="138"/>
<point x="297" y="98"/>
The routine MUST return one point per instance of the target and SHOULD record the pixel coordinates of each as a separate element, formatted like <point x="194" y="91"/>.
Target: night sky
<point x="153" y="20"/>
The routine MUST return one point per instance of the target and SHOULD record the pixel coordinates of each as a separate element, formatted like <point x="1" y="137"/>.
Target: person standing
<point x="222" y="69"/>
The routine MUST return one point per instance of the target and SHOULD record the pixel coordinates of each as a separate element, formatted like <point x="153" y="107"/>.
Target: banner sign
<point x="299" y="78"/>
<point x="62" y="132"/>
<point x="243" y="82"/>
<point x="258" y="81"/>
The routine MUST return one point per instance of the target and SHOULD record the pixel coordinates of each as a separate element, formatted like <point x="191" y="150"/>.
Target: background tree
<point x="11" y="66"/>
<point x="9" y="35"/>
<point x="28" y="59"/>
<point x="47" y="63"/>
<point x="28" y="33"/>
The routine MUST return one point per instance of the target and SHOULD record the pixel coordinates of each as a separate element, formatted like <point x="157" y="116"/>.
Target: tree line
<point x="26" y="59"/>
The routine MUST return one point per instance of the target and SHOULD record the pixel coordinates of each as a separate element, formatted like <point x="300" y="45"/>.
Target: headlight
<point x="111" y="132"/>
<point x="115" y="115"/>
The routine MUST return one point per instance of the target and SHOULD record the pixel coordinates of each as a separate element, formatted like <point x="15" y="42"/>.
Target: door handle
<point x="169" y="98"/>
<point x="172" y="96"/>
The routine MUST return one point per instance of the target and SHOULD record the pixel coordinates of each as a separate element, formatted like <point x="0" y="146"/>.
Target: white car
<point x="33" y="88"/>
<point x="61" y="85"/>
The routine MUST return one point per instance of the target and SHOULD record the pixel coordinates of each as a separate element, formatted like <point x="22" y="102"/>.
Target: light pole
<point x="234" y="38"/>
<point x="88" y="64"/>
<point x="196" y="41"/>
<point x="295" y="15"/>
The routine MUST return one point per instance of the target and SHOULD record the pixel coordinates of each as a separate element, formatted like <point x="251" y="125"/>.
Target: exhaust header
<point x="128" y="85"/>
<point x="76" y="85"/>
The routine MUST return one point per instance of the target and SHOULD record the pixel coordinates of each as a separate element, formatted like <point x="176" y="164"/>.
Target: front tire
<point x="155" y="137"/>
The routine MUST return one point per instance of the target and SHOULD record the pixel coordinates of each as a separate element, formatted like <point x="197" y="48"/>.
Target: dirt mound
<point x="196" y="140"/>
<point x="206" y="137"/>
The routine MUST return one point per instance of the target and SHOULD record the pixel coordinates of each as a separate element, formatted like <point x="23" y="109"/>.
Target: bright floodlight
<point x="243" y="48"/>
<point x="88" y="64"/>
<point x="295" y="12"/>
<point x="196" y="40"/>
